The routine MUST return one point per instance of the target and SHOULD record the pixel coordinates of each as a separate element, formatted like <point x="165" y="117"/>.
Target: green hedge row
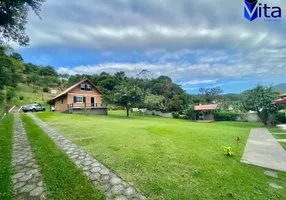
<point x="280" y="117"/>
<point x="225" y="116"/>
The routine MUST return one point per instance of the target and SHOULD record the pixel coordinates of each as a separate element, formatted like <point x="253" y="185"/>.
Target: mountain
<point x="280" y="87"/>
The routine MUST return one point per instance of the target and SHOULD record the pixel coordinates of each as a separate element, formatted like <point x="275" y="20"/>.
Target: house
<point x="82" y="97"/>
<point x="204" y="112"/>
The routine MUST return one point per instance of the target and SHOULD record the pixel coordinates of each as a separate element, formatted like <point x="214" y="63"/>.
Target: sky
<point x="203" y="43"/>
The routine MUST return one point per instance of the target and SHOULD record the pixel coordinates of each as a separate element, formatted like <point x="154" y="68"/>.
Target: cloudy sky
<point x="203" y="43"/>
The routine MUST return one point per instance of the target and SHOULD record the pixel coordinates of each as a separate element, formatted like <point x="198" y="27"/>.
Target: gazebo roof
<point x="206" y="107"/>
<point x="282" y="99"/>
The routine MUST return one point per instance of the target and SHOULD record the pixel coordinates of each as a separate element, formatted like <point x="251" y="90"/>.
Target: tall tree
<point x="127" y="95"/>
<point x="14" y="17"/>
<point x="260" y="99"/>
<point x="209" y="95"/>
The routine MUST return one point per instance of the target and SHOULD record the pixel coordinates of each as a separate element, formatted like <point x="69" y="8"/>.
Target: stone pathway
<point x="27" y="179"/>
<point x="263" y="150"/>
<point x="111" y="183"/>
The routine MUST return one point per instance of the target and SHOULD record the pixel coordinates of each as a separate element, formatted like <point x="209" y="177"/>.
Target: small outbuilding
<point x="281" y="101"/>
<point x="205" y="112"/>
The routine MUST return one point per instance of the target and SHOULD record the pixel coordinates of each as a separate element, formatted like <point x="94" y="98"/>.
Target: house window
<point x="79" y="99"/>
<point x="88" y="87"/>
<point x="62" y="100"/>
<point x="82" y="86"/>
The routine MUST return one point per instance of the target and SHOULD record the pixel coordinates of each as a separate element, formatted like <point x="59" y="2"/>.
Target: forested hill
<point x="280" y="88"/>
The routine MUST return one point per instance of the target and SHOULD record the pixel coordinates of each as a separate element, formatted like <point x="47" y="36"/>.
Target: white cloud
<point x="190" y="41"/>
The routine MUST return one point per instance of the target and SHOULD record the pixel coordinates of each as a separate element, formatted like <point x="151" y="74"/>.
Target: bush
<point x="225" y="116"/>
<point x="21" y="97"/>
<point x="35" y="91"/>
<point x="10" y="93"/>
<point x="280" y="117"/>
<point x="176" y="115"/>
<point x="190" y="113"/>
<point x="45" y="89"/>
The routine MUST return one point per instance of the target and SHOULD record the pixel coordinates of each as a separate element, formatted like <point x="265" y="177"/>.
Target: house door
<point x="92" y="101"/>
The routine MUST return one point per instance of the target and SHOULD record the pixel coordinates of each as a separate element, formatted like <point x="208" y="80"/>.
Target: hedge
<point x="225" y="116"/>
<point x="280" y="117"/>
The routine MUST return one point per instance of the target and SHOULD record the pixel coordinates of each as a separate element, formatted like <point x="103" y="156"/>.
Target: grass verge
<point x="62" y="177"/>
<point x="6" y="133"/>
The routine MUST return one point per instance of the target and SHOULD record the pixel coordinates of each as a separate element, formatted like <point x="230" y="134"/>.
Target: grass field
<point x="61" y="176"/>
<point x="169" y="158"/>
<point x="6" y="133"/>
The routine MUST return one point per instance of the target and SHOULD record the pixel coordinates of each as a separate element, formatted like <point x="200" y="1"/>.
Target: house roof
<point x="280" y="101"/>
<point x="283" y="95"/>
<point x="74" y="86"/>
<point x="206" y="107"/>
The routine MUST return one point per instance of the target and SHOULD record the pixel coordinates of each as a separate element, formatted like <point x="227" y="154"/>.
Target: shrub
<point x="10" y="93"/>
<point x="280" y="117"/>
<point x="21" y="97"/>
<point x="35" y="91"/>
<point x="190" y="113"/>
<point x="225" y="116"/>
<point x="176" y="115"/>
<point x="45" y="89"/>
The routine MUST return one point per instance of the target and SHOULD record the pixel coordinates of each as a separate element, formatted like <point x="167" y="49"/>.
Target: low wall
<point x="248" y="117"/>
<point x="91" y="111"/>
<point x="159" y="113"/>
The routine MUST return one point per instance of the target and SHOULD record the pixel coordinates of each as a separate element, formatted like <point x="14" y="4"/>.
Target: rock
<point x="37" y="191"/>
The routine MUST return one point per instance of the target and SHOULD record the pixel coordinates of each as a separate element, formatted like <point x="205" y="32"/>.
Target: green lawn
<point x="6" y="133"/>
<point x="61" y="176"/>
<point x="169" y="158"/>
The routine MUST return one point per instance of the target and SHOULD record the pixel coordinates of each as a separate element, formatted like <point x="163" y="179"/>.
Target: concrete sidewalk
<point x="263" y="150"/>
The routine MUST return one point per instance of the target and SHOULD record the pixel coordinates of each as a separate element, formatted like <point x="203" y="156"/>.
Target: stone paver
<point x="114" y="186"/>
<point x="263" y="150"/>
<point x="271" y="173"/>
<point x="275" y="185"/>
<point x="27" y="176"/>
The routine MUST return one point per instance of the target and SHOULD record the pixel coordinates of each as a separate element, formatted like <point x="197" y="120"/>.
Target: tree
<point x="127" y="95"/>
<point x="210" y="94"/>
<point x="120" y="76"/>
<point x="175" y="104"/>
<point x="154" y="102"/>
<point x="17" y="56"/>
<point x="14" y="17"/>
<point x="48" y="71"/>
<point x="260" y="99"/>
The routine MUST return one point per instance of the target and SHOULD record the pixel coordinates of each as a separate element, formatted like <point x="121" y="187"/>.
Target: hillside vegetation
<point x="26" y="94"/>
